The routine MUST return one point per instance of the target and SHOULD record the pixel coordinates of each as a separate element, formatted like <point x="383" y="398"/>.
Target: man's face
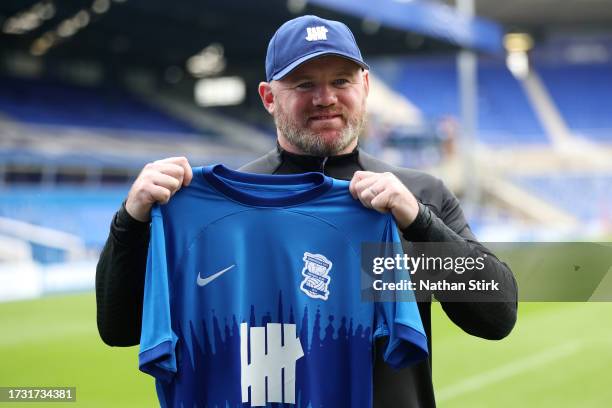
<point x="320" y="108"/>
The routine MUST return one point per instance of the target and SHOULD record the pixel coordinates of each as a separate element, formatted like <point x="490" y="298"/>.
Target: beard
<point x="310" y="142"/>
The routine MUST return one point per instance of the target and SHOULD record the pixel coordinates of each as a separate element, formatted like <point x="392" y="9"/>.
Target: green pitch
<point x="54" y="342"/>
<point x="559" y="355"/>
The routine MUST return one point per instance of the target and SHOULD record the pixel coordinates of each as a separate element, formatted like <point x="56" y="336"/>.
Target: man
<point x="316" y="90"/>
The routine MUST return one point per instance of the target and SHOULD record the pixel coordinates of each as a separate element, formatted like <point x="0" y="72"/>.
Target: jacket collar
<point x="307" y="163"/>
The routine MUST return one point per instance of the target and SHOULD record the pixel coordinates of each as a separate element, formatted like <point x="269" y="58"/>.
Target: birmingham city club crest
<point x="316" y="279"/>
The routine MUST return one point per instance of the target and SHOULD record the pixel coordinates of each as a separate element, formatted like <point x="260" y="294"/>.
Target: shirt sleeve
<point x="157" y="341"/>
<point x="400" y="320"/>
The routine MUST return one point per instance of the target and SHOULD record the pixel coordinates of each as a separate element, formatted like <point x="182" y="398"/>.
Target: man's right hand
<point x="156" y="183"/>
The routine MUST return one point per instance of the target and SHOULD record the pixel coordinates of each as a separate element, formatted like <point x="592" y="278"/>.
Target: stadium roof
<point x="159" y="34"/>
<point x="546" y="13"/>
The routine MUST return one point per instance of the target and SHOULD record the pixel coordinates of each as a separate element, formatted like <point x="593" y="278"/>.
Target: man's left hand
<point x="384" y="192"/>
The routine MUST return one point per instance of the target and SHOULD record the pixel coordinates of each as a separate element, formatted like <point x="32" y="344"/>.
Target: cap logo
<point x="316" y="33"/>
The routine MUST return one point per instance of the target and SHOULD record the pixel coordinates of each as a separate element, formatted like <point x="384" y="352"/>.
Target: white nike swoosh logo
<point x="206" y="281"/>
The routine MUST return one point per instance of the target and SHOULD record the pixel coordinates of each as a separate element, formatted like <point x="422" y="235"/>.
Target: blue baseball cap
<point x="307" y="37"/>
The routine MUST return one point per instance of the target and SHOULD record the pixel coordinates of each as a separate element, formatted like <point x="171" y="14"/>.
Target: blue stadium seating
<point x="587" y="197"/>
<point x="504" y="111"/>
<point x="505" y="116"/>
<point x="582" y="93"/>
<point x="83" y="211"/>
<point x="52" y="103"/>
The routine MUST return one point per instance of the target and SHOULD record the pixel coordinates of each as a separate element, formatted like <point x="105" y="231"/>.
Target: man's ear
<point x="266" y="95"/>
<point x="366" y="81"/>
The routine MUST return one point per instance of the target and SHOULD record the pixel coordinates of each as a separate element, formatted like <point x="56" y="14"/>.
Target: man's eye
<point x="305" y="85"/>
<point x="341" y="82"/>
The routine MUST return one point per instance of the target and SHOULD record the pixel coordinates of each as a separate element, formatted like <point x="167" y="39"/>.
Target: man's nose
<point x="324" y="95"/>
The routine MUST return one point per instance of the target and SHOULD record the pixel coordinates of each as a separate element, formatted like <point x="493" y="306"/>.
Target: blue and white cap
<point x="307" y="37"/>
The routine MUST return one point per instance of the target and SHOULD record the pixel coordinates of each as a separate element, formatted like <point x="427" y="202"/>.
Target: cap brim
<point x="285" y="71"/>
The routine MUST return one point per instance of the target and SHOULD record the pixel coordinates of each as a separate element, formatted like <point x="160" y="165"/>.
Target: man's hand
<point x="156" y="183"/>
<point x="384" y="192"/>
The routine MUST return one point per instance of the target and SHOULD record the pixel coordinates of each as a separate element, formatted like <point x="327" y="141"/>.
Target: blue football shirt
<point x="253" y="297"/>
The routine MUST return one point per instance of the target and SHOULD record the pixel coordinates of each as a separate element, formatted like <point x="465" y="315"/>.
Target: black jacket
<point x="121" y="268"/>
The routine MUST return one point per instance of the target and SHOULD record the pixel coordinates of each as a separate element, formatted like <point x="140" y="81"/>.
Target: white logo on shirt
<point x="205" y="281"/>
<point x="269" y="365"/>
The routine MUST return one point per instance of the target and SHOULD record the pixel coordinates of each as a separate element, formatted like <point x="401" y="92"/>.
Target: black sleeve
<point x="491" y="319"/>
<point x="120" y="280"/>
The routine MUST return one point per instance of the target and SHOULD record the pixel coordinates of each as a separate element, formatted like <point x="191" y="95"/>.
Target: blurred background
<point x="510" y="103"/>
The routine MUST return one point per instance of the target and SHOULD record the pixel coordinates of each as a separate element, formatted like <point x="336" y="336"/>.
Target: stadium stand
<point x="53" y="103"/>
<point x="50" y="125"/>
<point x="83" y="212"/>
<point x="505" y="116"/>
<point x="586" y="196"/>
<point x="582" y="95"/>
